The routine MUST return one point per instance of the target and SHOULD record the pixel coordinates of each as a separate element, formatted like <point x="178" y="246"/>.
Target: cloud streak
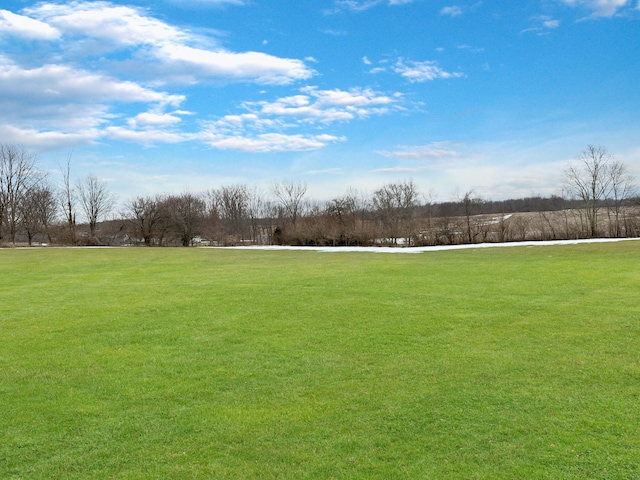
<point x="452" y="11"/>
<point x="432" y="151"/>
<point x="600" y="8"/>
<point x="418" y="72"/>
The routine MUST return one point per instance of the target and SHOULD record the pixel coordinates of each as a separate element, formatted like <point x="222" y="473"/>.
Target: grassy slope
<point x="202" y="363"/>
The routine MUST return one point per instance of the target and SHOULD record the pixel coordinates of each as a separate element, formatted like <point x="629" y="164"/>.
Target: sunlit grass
<point x="206" y="363"/>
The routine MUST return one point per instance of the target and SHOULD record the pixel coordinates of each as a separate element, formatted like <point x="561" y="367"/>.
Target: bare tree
<point x="341" y="213"/>
<point x="393" y="203"/>
<point x="622" y="188"/>
<point x="291" y="196"/>
<point x="232" y="205"/>
<point x="589" y="180"/>
<point x="187" y="213"/>
<point x="96" y="201"/>
<point x="38" y="211"/>
<point x="146" y="218"/>
<point x="17" y="177"/>
<point x="470" y="204"/>
<point x="257" y="208"/>
<point x="67" y="201"/>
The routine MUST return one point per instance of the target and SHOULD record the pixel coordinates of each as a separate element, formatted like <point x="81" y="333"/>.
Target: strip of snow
<point x="432" y="248"/>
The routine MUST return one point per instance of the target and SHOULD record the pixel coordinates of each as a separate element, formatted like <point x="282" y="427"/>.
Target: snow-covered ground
<point x="435" y="248"/>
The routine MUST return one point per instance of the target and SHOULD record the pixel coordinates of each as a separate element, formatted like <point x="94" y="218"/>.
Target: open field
<point x="521" y="362"/>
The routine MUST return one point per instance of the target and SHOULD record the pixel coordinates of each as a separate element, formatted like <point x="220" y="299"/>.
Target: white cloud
<point x="183" y="56"/>
<point x="470" y="48"/>
<point x="542" y="25"/>
<point x="59" y="103"/>
<point x="325" y="106"/>
<point x="46" y="140"/>
<point x="422" y="71"/>
<point x="600" y="8"/>
<point x="260" y="67"/>
<point x="206" y="3"/>
<point x="56" y="101"/>
<point x="116" y="24"/>
<point x="432" y="151"/>
<point x="354" y="5"/>
<point x="54" y="84"/>
<point x="452" y="11"/>
<point x="25" y="27"/>
<point x="151" y="119"/>
<point x="263" y="127"/>
<point x="332" y="32"/>
<point x="362" y="5"/>
<point x="147" y="136"/>
<point x="270" y="142"/>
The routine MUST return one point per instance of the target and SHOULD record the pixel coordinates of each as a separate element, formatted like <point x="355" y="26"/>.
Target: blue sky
<point x="175" y="95"/>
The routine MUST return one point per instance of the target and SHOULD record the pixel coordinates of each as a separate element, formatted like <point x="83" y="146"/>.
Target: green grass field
<point x="518" y="362"/>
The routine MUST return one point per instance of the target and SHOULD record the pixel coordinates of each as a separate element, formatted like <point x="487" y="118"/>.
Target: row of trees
<point x="599" y="200"/>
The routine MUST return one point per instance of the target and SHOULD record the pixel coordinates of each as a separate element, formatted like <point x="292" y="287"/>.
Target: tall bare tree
<point x="38" y="211"/>
<point x="147" y="218"/>
<point x="232" y="205"/>
<point x="342" y="215"/>
<point x="622" y="188"/>
<point x="257" y="210"/>
<point x="187" y="213"/>
<point x="291" y="194"/>
<point x="592" y="179"/>
<point x="67" y="201"/>
<point x="95" y="199"/>
<point x="393" y="203"/>
<point x="17" y="176"/>
<point x="470" y="204"/>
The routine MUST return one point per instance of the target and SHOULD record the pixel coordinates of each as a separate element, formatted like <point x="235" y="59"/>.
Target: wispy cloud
<point x="270" y="142"/>
<point x="334" y="33"/>
<point x="457" y="10"/>
<point x="601" y="8"/>
<point x="418" y="72"/>
<point x="206" y="3"/>
<point x="148" y="136"/>
<point x="542" y="25"/>
<point x="43" y="140"/>
<point x="452" y="11"/>
<point x="362" y="5"/>
<point x="415" y="71"/>
<point x="432" y="151"/>
<point x="326" y="106"/>
<point x="470" y="48"/>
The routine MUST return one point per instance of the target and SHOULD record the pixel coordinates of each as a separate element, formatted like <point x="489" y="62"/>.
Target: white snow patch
<point x="431" y="249"/>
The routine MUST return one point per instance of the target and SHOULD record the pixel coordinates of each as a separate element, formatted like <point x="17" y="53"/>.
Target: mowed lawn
<point x="170" y="363"/>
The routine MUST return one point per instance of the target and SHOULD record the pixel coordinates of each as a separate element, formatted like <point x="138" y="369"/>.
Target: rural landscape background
<point x="600" y="200"/>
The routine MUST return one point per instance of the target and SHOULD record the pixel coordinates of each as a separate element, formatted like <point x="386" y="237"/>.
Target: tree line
<point x="599" y="199"/>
